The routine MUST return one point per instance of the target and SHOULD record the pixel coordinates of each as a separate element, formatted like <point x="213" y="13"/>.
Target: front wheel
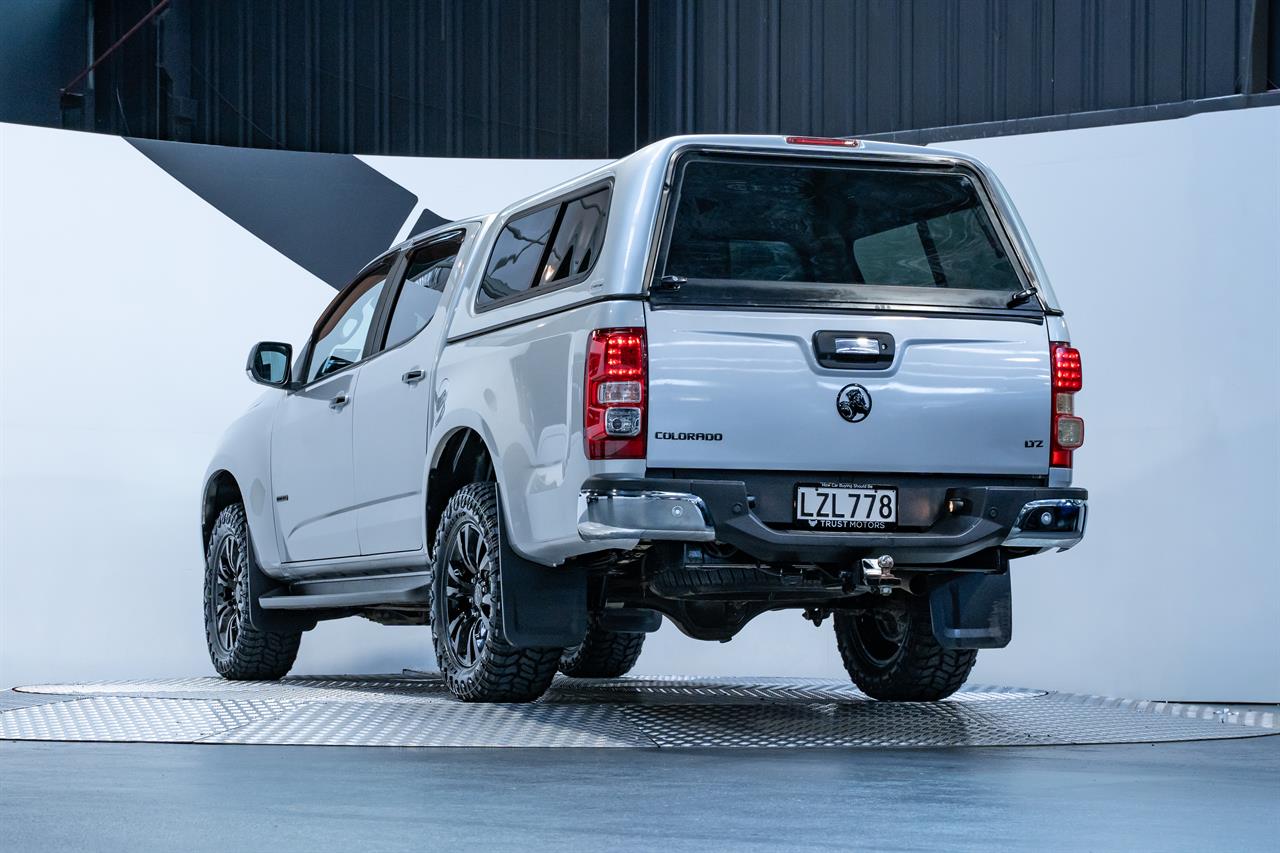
<point x="477" y="662"/>
<point x="890" y="652"/>
<point x="238" y="650"/>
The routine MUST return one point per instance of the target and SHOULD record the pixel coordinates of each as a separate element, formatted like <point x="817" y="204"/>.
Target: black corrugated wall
<point x="509" y="78"/>
<point x="836" y="67"/>
<point x="590" y="78"/>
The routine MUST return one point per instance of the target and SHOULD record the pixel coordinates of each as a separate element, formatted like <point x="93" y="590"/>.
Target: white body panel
<point x="391" y="430"/>
<point x="311" y="464"/>
<point x="244" y="452"/>
<point x="521" y="388"/>
<point x="390" y="450"/>
<point x="962" y="396"/>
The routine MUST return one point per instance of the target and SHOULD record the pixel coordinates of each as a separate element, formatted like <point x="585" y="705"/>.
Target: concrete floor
<point x="1216" y="795"/>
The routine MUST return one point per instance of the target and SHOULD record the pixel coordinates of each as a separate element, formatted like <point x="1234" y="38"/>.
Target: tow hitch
<point x="876" y="576"/>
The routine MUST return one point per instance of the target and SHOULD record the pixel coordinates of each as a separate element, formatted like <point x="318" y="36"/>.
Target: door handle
<point x="854" y="350"/>
<point x="338" y="402"/>
<point x="412" y="376"/>
<point x="861" y="345"/>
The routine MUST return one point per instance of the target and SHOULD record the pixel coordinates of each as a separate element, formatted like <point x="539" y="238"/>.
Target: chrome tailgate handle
<point x="853" y="350"/>
<point x="857" y="346"/>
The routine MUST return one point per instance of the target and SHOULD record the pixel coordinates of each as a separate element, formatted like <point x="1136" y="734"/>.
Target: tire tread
<point x="258" y="655"/>
<point x="925" y="672"/>
<point x="602" y="653"/>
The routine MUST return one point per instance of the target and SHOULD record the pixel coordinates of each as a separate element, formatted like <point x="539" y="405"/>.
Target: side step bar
<point x="409" y="588"/>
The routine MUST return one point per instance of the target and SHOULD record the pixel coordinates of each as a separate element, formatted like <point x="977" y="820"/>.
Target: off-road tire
<point x="500" y="672"/>
<point x="602" y="653"/>
<point x="243" y="653"/>
<point x="915" y="668"/>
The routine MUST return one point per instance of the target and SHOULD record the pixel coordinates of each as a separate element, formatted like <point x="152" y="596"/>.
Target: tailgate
<point x="745" y="390"/>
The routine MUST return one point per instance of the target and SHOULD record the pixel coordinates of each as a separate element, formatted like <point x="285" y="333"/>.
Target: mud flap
<point x="281" y="621"/>
<point x="542" y="606"/>
<point x="973" y="611"/>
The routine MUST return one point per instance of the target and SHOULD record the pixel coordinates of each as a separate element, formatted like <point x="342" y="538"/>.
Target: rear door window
<point x="419" y="296"/>
<point x="578" y="237"/>
<point x="546" y="248"/>
<point x="775" y="231"/>
<point x="517" y="256"/>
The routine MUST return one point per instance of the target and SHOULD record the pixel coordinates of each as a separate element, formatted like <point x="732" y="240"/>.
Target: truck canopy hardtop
<point x="643" y="184"/>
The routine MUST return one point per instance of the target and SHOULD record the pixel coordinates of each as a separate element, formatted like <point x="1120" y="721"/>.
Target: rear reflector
<point x="823" y="140"/>
<point x="1069" y="432"/>
<point x="613" y="411"/>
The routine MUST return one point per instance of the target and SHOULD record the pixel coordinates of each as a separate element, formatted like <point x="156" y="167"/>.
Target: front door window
<point x="341" y="337"/>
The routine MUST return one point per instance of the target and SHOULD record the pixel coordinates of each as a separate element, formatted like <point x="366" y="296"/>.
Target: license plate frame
<point x="812" y="511"/>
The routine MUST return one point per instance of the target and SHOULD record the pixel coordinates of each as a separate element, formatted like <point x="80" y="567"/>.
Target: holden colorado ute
<point x="721" y="376"/>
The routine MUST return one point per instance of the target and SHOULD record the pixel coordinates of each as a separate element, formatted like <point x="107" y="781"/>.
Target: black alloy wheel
<point x="890" y="652"/>
<point x="468" y="591"/>
<point x="475" y="659"/>
<point x="880" y="634"/>
<point x="237" y="649"/>
<point x="229" y="568"/>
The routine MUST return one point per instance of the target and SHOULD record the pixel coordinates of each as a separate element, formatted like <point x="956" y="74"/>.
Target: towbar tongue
<point x="877" y="574"/>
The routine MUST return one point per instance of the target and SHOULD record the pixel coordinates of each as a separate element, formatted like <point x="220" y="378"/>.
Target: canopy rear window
<point x="781" y="231"/>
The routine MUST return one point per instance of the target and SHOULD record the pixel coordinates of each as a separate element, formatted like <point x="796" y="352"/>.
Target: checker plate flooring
<point x="414" y="709"/>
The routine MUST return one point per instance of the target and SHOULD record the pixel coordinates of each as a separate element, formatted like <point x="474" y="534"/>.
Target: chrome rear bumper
<point x="627" y="511"/>
<point x="1064" y="528"/>
<point x="624" y="514"/>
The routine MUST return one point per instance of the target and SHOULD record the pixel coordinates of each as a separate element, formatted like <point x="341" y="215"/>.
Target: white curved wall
<point x="127" y="304"/>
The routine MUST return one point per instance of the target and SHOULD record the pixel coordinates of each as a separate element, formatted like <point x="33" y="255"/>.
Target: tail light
<point x="615" y="394"/>
<point x="1068" y="378"/>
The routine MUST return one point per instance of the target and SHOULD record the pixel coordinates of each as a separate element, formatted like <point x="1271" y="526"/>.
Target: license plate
<point x="840" y="506"/>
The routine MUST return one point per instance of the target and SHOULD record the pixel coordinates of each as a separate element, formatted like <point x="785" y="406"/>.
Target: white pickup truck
<point x="721" y="376"/>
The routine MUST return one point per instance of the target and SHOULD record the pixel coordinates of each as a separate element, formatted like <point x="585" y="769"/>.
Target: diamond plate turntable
<point x="414" y="709"/>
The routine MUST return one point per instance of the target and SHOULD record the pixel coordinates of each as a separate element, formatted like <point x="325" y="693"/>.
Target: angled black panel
<point x="329" y="213"/>
<point x="427" y="220"/>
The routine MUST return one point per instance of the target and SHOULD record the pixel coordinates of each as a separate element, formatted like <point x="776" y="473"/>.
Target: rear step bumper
<point x="623" y="510"/>
<point x="635" y="512"/>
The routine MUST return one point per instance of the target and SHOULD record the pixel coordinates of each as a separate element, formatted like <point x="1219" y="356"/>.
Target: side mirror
<point x="269" y="363"/>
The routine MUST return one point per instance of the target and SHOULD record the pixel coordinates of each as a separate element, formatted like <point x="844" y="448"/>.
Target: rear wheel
<point x="890" y="652"/>
<point x="602" y="653"/>
<point x="477" y="662"/>
<point x="238" y="650"/>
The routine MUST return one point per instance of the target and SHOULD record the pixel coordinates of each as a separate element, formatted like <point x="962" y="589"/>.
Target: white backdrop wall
<point x="127" y="304"/>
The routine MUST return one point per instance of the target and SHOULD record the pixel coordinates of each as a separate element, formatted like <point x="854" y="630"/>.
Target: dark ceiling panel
<point x="876" y="66"/>
<point x="593" y="78"/>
